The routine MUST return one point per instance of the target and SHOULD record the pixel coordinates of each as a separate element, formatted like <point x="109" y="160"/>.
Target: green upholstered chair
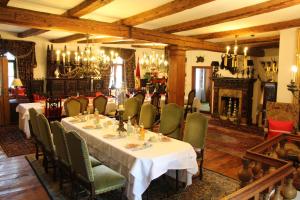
<point x="132" y="108"/>
<point x="147" y="115"/>
<point x="140" y="95"/>
<point x="62" y="151"/>
<point x="98" y="179"/>
<point x="170" y="120"/>
<point x="195" y="134"/>
<point x="48" y="145"/>
<point x="34" y="130"/>
<point x="189" y="105"/>
<point x="72" y="107"/>
<point x="84" y="103"/>
<point x="100" y="102"/>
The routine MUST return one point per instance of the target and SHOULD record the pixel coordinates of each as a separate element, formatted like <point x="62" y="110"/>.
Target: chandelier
<point x="230" y="60"/>
<point x="155" y="63"/>
<point x="89" y="62"/>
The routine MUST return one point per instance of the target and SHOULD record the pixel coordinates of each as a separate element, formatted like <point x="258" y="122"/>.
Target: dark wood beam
<point x="251" y="30"/>
<point x="4" y="3"/>
<point x="81" y="9"/>
<point x="48" y="21"/>
<point x="69" y="38"/>
<point x="159" y="47"/>
<point x="162" y="11"/>
<point x="254" y="40"/>
<point x="86" y="7"/>
<point x="241" y="13"/>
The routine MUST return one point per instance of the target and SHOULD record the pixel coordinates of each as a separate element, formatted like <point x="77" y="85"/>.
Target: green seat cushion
<point x="106" y="179"/>
<point x="94" y="161"/>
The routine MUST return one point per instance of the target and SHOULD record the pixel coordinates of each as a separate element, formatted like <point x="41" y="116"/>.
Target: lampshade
<point x="17" y="82"/>
<point x="250" y="63"/>
<point x="214" y="63"/>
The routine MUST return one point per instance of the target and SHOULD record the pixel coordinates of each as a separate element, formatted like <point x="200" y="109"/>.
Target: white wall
<point x="287" y="58"/>
<point x="40" y="50"/>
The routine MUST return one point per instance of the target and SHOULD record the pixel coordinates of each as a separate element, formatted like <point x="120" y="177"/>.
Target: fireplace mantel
<point x="245" y="88"/>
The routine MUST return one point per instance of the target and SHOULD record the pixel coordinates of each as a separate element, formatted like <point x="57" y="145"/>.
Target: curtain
<point x="25" y="57"/>
<point x="128" y="55"/>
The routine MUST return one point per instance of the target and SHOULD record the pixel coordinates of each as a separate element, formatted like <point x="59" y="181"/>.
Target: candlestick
<point x="64" y="58"/>
<point x="226" y="55"/>
<point x="68" y="56"/>
<point x="294" y="70"/>
<point x="235" y="50"/>
<point x="57" y="55"/>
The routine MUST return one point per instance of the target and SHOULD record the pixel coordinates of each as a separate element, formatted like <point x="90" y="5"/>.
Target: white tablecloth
<point x="23" y="110"/>
<point x="142" y="166"/>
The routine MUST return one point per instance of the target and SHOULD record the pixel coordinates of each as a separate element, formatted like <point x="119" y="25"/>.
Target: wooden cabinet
<point x="4" y="96"/>
<point x="70" y="87"/>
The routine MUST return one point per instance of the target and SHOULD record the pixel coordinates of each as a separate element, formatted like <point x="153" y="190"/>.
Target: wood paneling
<point x="55" y="22"/>
<point x="4" y="97"/>
<point x="81" y="9"/>
<point x="251" y="30"/>
<point x="162" y="11"/>
<point x="245" y="12"/>
<point x="176" y="74"/>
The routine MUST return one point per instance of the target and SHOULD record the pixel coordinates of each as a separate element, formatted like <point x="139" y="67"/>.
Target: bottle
<point x="129" y="126"/>
<point x="142" y="132"/>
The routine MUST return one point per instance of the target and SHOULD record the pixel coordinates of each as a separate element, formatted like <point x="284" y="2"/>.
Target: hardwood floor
<point x="18" y="180"/>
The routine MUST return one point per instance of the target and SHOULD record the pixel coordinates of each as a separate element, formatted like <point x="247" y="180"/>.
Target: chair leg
<point x="176" y="180"/>
<point x="92" y="192"/>
<point x="54" y="169"/>
<point x="45" y="163"/>
<point x="201" y="169"/>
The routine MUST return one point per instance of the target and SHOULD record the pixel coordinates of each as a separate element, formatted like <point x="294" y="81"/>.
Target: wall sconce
<point x="292" y="87"/>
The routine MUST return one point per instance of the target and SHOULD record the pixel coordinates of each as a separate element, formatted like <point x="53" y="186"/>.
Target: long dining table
<point x="140" y="161"/>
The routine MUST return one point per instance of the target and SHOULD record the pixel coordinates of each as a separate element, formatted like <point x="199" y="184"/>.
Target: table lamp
<point x="17" y="83"/>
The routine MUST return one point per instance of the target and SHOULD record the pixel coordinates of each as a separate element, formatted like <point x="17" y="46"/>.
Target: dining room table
<point x="23" y="110"/>
<point x="140" y="160"/>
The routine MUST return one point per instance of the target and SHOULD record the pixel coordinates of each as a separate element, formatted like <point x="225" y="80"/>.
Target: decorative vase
<point x="245" y="175"/>
<point x="289" y="191"/>
<point x="277" y="195"/>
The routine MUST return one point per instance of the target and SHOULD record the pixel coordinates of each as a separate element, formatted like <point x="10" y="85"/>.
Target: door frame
<point x="208" y="79"/>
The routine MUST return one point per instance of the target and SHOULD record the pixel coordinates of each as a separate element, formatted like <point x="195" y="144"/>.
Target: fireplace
<point x="232" y="99"/>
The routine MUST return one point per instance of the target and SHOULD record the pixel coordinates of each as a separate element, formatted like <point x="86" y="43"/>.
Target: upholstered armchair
<point x="84" y="103"/>
<point x="140" y="95"/>
<point x="189" y="105"/>
<point x="132" y="108"/>
<point x="100" y="102"/>
<point x="281" y="115"/>
<point x="147" y="115"/>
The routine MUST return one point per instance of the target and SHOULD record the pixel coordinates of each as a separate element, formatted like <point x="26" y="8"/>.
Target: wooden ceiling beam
<point x="162" y="11"/>
<point x="4" y="3"/>
<point x="127" y="42"/>
<point x="68" y="38"/>
<point x="33" y="19"/>
<point x="81" y="9"/>
<point x="274" y="38"/>
<point x="159" y="47"/>
<point x="241" y="13"/>
<point x="251" y="30"/>
<point x="101" y="40"/>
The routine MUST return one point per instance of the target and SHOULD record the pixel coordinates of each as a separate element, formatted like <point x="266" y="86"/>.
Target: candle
<point x="226" y="55"/>
<point x="57" y="55"/>
<point x="64" y="58"/>
<point x="245" y="51"/>
<point x="294" y="70"/>
<point x="235" y="50"/>
<point x="68" y="56"/>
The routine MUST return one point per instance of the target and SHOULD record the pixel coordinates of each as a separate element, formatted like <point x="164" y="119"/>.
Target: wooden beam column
<point x="176" y="76"/>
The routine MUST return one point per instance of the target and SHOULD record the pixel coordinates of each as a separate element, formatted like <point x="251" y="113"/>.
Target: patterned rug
<point x="230" y="141"/>
<point x="213" y="186"/>
<point x="14" y="143"/>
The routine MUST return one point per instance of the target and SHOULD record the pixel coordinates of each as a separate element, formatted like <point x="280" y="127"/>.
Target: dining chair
<point x="53" y="108"/>
<point x="97" y="180"/>
<point x="189" y="105"/>
<point x="170" y="120"/>
<point x="48" y="145"/>
<point x="140" y="95"/>
<point x="155" y="100"/>
<point x="132" y="109"/>
<point x="72" y="107"/>
<point x="62" y="151"/>
<point x="100" y="103"/>
<point x="84" y="101"/>
<point x="34" y="130"/>
<point x="195" y="133"/>
<point x="147" y="115"/>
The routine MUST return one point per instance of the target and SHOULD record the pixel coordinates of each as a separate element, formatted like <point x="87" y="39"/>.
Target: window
<point x="116" y="76"/>
<point x="11" y="67"/>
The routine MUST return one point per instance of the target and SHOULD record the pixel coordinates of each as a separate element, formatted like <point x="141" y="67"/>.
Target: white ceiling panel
<point x="119" y="9"/>
<point x="208" y="9"/>
<point x="272" y="17"/>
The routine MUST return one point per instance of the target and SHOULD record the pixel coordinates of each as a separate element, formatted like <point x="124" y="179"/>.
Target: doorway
<point x="201" y="83"/>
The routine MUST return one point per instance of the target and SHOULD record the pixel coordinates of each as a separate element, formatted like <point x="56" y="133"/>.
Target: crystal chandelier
<point x="90" y="62"/>
<point x="154" y="63"/>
